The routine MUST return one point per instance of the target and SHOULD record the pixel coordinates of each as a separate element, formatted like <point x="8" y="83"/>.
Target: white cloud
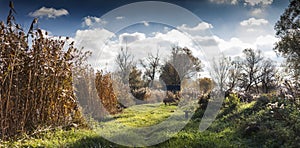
<point x="49" y="12"/>
<point x="233" y="47"/>
<point x="140" y="44"/>
<point x="253" y="22"/>
<point x="257" y="12"/>
<point x="128" y="38"/>
<point x="145" y="23"/>
<point x="120" y="17"/>
<point x="200" y="27"/>
<point x="94" y="40"/>
<point x="258" y="2"/>
<point x="92" y="21"/>
<point x="266" y="40"/>
<point x="233" y="2"/>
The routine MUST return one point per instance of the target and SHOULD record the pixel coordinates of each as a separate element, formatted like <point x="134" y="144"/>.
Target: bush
<point x="106" y="93"/>
<point x="232" y="101"/>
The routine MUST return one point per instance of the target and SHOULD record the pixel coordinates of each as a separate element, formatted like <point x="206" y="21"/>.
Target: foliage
<point x="106" y="93"/>
<point x="228" y="130"/>
<point x="36" y="80"/>
<point x="169" y="75"/>
<point x="137" y="85"/>
<point x="288" y="30"/>
<point x="182" y="64"/>
<point x="232" y="101"/>
<point x="206" y="85"/>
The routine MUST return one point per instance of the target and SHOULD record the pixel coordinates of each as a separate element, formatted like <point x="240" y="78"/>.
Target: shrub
<point x="106" y="93"/>
<point x="86" y="93"/>
<point x="232" y="101"/>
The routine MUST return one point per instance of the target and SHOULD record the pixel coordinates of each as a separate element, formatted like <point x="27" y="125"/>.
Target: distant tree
<point x="206" y="85"/>
<point x="182" y="64"/>
<point x="268" y="75"/>
<point x="135" y="79"/>
<point x="220" y="71"/>
<point x="235" y="73"/>
<point x="288" y="30"/>
<point x="251" y="67"/>
<point x="137" y="85"/>
<point x="151" y="66"/>
<point x="124" y="61"/>
<point x="169" y="75"/>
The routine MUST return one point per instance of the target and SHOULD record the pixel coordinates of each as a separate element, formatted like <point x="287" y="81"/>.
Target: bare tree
<point x="268" y="75"/>
<point x="220" y="71"/>
<point x="124" y="61"/>
<point x="234" y="74"/>
<point x="151" y="66"/>
<point x="251" y="67"/>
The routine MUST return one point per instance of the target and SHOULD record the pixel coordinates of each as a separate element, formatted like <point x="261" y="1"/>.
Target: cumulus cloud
<point x="49" y="12"/>
<point x="129" y="38"/>
<point x="92" y="21"/>
<point x="201" y="26"/>
<point x="258" y="2"/>
<point x="257" y="12"/>
<point x="253" y="22"/>
<point x="140" y="44"/>
<point x="233" y="2"/>
<point x="94" y="40"/>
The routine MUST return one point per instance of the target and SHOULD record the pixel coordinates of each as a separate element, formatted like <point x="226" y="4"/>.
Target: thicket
<point x="35" y="80"/>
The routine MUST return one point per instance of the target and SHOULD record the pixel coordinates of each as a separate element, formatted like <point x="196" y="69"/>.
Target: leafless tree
<point x="268" y="75"/>
<point x="124" y="61"/>
<point x="221" y="70"/>
<point x="251" y="67"/>
<point x="234" y="73"/>
<point x="151" y="66"/>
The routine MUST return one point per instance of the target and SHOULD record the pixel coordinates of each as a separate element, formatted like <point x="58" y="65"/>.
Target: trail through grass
<point x="228" y="130"/>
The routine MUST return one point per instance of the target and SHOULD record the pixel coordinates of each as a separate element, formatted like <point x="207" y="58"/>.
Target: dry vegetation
<point x="104" y="86"/>
<point x="36" y="80"/>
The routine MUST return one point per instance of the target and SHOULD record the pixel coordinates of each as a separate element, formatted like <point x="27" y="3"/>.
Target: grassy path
<point x="228" y="130"/>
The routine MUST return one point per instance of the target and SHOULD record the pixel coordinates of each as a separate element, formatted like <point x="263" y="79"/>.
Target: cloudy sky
<point x="208" y="27"/>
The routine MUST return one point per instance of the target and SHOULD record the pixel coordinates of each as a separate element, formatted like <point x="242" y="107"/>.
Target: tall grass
<point x="35" y="80"/>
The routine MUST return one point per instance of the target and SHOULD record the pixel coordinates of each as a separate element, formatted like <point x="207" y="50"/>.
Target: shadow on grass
<point x="94" y="141"/>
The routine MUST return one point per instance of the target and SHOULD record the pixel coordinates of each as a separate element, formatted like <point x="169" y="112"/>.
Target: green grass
<point x="228" y="130"/>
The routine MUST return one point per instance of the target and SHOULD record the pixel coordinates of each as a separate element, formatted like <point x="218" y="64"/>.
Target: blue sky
<point x="229" y="25"/>
<point x="221" y="13"/>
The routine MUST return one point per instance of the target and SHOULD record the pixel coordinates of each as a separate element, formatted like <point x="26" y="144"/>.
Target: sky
<point x="207" y="27"/>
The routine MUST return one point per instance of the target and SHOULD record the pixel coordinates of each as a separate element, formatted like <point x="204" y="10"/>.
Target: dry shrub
<point x="86" y="92"/>
<point x="122" y="91"/>
<point x="106" y="93"/>
<point x="35" y="81"/>
<point x="156" y="96"/>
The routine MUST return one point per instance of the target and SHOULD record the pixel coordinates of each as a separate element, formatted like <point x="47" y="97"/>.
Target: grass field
<point x="228" y="130"/>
